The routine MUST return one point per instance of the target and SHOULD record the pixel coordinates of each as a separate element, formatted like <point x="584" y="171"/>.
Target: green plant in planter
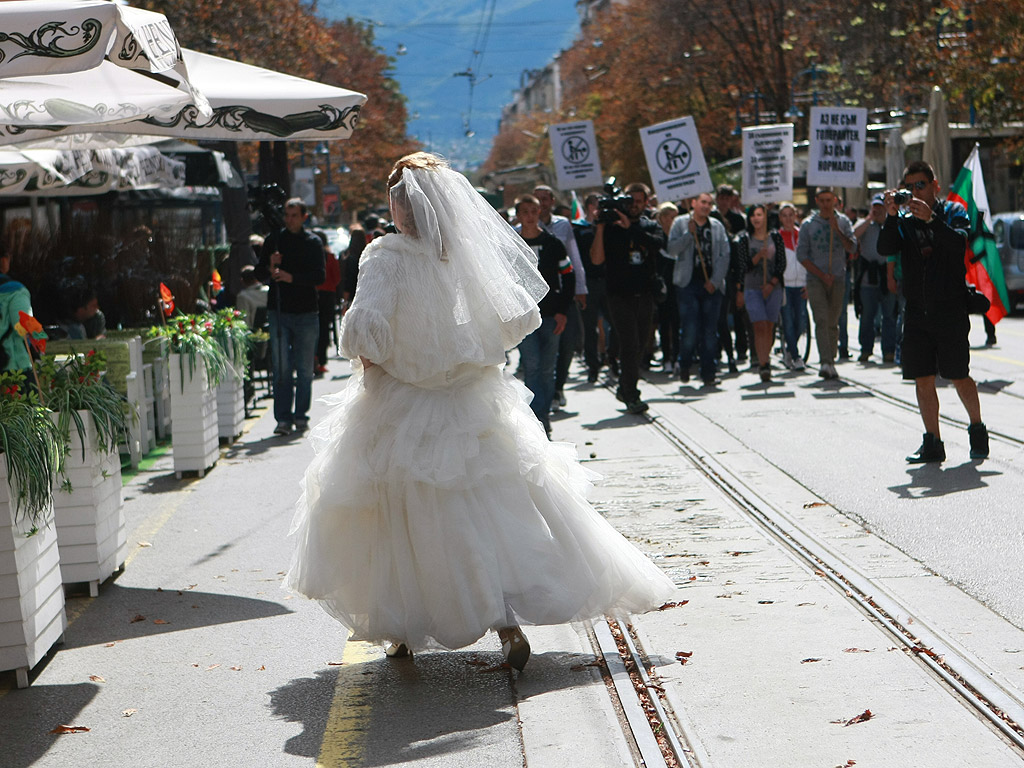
<point x="234" y="336"/>
<point x="191" y="337"/>
<point x="33" y="449"/>
<point x="76" y="384"/>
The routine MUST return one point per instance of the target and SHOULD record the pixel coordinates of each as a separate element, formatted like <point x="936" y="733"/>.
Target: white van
<point x="1008" y="229"/>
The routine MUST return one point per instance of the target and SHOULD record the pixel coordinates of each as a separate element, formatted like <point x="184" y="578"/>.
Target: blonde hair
<point x="417" y="160"/>
<point x="665" y="208"/>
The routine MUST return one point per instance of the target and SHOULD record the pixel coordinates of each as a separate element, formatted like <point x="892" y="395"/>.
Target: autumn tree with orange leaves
<point x="737" y="62"/>
<point x="288" y="36"/>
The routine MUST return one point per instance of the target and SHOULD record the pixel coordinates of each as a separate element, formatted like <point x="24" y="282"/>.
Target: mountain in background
<point x="431" y="41"/>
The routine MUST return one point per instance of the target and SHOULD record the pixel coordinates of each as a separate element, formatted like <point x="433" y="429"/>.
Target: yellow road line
<point x="349" y="719"/>
<point x="1000" y="358"/>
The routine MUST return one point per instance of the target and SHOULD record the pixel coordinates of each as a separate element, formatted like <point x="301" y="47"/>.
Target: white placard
<point x="675" y="159"/>
<point x="836" y="148"/>
<point x="767" y="164"/>
<point x="303" y="186"/>
<point x="574" y="149"/>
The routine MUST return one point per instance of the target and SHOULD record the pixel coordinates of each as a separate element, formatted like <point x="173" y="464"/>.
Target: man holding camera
<point x="826" y="236"/>
<point x="293" y="262"/>
<point x="627" y="243"/>
<point x="929" y="236"/>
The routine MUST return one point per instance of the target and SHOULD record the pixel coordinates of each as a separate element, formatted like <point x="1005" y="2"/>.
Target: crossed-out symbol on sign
<point x="673" y="155"/>
<point x="575" y="149"/>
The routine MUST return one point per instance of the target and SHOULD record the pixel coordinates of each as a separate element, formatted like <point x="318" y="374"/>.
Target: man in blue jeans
<point x="700" y="246"/>
<point x="539" y="350"/>
<point x="293" y="263"/>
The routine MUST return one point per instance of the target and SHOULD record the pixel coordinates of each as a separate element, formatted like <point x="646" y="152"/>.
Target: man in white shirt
<point x="561" y="227"/>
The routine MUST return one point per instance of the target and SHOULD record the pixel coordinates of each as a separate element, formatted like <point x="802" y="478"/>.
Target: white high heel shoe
<point x="515" y="647"/>
<point x="398" y="651"/>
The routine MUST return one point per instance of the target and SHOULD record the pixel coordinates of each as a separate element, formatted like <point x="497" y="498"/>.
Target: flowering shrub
<point x="192" y="337"/>
<point x="234" y="336"/>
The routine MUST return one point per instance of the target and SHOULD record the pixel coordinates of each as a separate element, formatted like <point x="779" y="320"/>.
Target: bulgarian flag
<point x="984" y="269"/>
<point x="578" y="214"/>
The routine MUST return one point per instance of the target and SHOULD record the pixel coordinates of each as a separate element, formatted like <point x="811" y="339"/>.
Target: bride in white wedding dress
<point x="435" y="508"/>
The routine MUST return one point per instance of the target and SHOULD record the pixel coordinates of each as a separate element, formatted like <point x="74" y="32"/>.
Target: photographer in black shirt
<point x="628" y="246"/>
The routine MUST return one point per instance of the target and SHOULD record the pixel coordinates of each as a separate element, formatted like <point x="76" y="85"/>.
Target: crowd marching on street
<point x="703" y="286"/>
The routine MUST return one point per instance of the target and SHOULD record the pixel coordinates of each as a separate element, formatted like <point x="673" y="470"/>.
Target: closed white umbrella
<point x="895" y="157"/>
<point x="938" y="148"/>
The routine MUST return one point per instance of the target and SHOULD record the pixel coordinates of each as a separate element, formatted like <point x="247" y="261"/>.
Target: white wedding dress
<point x="435" y="508"/>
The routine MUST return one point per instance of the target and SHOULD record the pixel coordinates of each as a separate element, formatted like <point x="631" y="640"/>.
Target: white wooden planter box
<point x="230" y="407"/>
<point x="91" y="533"/>
<point x="31" y="595"/>
<point x="194" y="442"/>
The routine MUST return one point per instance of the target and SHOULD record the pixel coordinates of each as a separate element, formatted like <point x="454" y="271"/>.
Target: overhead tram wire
<point x="476" y="59"/>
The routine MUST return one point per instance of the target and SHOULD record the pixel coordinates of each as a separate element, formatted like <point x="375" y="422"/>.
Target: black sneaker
<point x="931" y="450"/>
<point x="978" y="433"/>
<point x="637" y="406"/>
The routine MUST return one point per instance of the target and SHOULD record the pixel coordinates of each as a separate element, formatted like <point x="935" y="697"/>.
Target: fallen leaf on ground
<point x="801" y="605"/>
<point x="128" y="712"/>
<point x="809" y="661"/>
<point x="236" y="669"/>
<point x="703" y="562"/>
<point x="212" y="666"/>
<point x="261" y="668"/>
<point x="191" y="586"/>
<point x="109" y="645"/>
<point x="160" y="621"/>
<point x="159" y="589"/>
<point x="738" y="553"/>
<point x="855" y="650"/>
<point x="765" y="602"/>
<point x="97" y="679"/>
<point x="666" y="606"/>
<point x="683" y="656"/>
<point x="195" y="665"/>
<point x="70" y="729"/>
<point x="145" y="544"/>
<point x="496" y="668"/>
<point x="595" y="663"/>
<point x="137" y="618"/>
<point x="819" y="573"/>
<point x="862" y="717"/>
<point x="335" y="663"/>
<point x="725" y="595"/>
<point x="812" y="504"/>
<point x="692" y="578"/>
<point x="656" y="687"/>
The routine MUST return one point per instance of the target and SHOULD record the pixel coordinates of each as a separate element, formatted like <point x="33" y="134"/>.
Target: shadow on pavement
<point x="34" y="712"/>
<point x="391" y="712"/>
<point x="115" y="614"/>
<point x="932" y="480"/>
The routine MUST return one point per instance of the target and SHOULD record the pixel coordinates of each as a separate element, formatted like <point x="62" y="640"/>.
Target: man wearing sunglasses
<point x="929" y="236"/>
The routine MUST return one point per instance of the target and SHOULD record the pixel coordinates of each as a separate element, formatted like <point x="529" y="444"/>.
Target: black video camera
<point x="267" y="201"/>
<point x="612" y="201"/>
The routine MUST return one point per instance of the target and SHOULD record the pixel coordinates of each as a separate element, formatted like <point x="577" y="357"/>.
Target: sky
<point x="431" y="40"/>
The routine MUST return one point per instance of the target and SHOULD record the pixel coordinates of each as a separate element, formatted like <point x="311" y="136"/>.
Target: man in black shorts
<point x="930" y="238"/>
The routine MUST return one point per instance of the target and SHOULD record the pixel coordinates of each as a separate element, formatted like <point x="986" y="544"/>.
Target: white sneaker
<point x="787" y="359"/>
<point x="798" y="363"/>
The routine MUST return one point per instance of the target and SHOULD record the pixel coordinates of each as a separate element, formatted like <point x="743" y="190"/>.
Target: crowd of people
<point x="700" y="285"/>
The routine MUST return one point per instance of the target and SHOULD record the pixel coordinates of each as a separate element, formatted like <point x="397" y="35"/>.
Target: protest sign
<point x="574" y="149"/>
<point x="767" y="164"/>
<point x="675" y="159"/>
<point x="836" y="146"/>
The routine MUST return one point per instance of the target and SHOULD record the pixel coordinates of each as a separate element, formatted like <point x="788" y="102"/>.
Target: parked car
<point x="1008" y="229"/>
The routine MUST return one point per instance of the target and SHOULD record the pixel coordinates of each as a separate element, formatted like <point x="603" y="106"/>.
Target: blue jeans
<point x="794" y="319"/>
<point x="698" y="323"/>
<point x="292" y="349"/>
<point x="874" y="301"/>
<point x="538" y="353"/>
